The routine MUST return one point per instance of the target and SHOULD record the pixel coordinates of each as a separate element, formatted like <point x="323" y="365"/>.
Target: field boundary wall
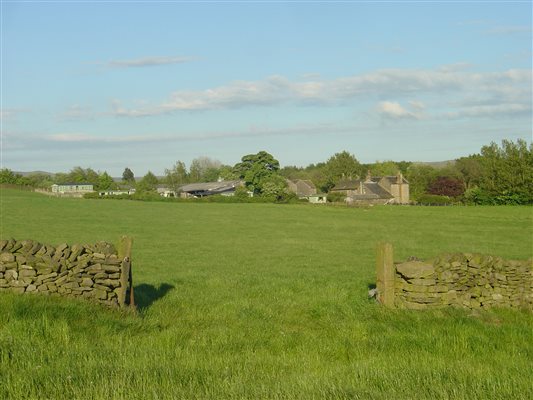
<point x="98" y="272"/>
<point x="462" y="280"/>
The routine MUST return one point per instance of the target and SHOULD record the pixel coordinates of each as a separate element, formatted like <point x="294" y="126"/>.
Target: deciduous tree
<point x="341" y="166"/>
<point x="148" y="183"/>
<point x="256" y="169"/>
<point x="176" y="176"/>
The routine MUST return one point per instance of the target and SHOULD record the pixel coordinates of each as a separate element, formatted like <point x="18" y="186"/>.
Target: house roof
<point x="307" y="182"/>
<point x="74" y="184"/>
<point x="210" y="187"/>
<point x="348" y="184"/>
<point x="374" y="188"/>
<point x="392" y="179"/>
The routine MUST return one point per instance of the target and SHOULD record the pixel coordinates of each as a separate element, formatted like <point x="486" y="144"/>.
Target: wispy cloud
<point x="148" y="62"/>
<point x="11" y="114"/>
<point x="509" y="30"/>
<point x="77" y="112"/>
<point x="491" y="111"/>
<point x="77" y="138"/>
<point x="506" y="87"/>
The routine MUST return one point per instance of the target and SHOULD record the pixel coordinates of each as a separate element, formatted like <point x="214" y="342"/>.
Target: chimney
<point x="368" y="177"/>
<point x="399" y="178"/>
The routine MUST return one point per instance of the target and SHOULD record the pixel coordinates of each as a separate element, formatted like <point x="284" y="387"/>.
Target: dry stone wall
<point x="464" y="280"/>
<point x="91" y="271"/>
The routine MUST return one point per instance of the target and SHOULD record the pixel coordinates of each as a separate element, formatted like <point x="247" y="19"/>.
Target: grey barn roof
<point x="210" y="187"/>
<point x="373" y="187"/>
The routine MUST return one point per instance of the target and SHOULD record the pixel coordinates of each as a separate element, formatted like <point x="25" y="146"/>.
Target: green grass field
<point x="261" y="301"/>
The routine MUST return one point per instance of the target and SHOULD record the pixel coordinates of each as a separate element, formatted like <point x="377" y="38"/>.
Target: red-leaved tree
<point x="446" y="186"/>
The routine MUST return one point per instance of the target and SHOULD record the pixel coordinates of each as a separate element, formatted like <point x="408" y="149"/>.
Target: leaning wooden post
<point x="126" y="280"/>
<point x="385" y="274"/>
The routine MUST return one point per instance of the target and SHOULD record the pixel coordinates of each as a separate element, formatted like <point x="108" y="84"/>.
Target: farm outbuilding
<point x="72" y="188"/>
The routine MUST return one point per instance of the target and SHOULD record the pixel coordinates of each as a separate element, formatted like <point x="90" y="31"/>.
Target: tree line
<point x="498" y="174"/>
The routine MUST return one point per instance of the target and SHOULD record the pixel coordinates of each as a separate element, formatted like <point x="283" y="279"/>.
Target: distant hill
<point x="28" y="173"/>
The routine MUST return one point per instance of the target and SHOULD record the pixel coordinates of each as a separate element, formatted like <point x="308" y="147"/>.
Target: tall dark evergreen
<point x="127" y="175"/>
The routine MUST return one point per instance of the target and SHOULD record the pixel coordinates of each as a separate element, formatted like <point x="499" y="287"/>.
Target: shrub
<point x="433" y="199"/>
<point x="335" y="197"/>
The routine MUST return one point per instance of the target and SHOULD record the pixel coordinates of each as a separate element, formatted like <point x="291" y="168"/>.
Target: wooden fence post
<point x="385" y="274"/>
<point x="126" y="279"/>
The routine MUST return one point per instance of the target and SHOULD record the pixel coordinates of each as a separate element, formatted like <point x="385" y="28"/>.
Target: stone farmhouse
<point x="375" y="190"/>
<point x="305" y="189"/>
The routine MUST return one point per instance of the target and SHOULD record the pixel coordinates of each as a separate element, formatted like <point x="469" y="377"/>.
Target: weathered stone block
<point x="112" y="260"/>
<point x="18" y="283"/>
<point x="99" y="294"/>
<point x="81" y="289"/>
<point x="414" y="269"/>
<point x="76" y="250"/>
<point x="110" y="268"/>
<point x="108" y="282"/>
<point x="71" y="285"/>
<point x="41" y="278"/>
<point x="60" y="248"/>
<point x="16" y="246"/>
<point x="11" y="275"/>
<point x="25" y="273"/>
<point x="86" y="282"/>
<point x="7" y="257"/>
<point x="415" y="288"/>
<point x="43" y="269"/>
<point x="101" y="287"/>
<point x="94" y="269"/>
<point x="423" y="281"/>
<point x="9" y="245"/>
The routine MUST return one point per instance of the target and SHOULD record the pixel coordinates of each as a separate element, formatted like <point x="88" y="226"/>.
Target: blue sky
<point x="110" y="85"/>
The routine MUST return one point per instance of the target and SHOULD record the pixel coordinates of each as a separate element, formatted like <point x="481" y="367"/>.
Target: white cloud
<point x="489" y="111"/>
<point x="393" y="110"/>
<point x="71" y="137"/>
<point x="147" y="62"/>
<point x="506" y="87"/>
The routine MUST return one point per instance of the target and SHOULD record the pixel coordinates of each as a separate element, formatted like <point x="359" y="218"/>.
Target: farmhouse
<point x="305" y="189"/>
<point x="64" y="188"/>
<point x="224" y="188"/>
<point x="375" y="190"/>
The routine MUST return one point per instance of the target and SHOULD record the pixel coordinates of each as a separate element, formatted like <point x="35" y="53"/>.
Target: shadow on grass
<point x="146" y="294"/>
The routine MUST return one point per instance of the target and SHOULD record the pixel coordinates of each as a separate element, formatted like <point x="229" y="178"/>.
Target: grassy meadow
<point x="261" y="301"/>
